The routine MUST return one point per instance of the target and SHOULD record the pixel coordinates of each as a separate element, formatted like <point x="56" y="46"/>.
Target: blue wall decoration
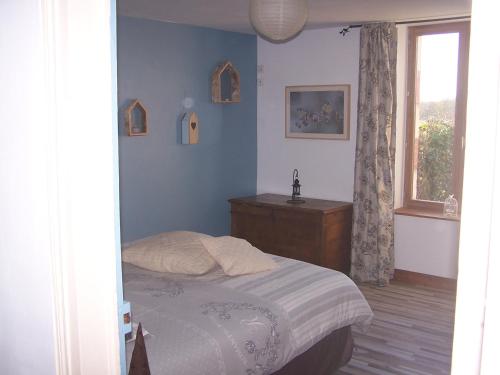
<point x="163" y="184"/>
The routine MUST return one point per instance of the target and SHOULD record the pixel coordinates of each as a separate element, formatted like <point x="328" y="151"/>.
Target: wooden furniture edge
<point x="423" y="279"/>
<point x="243" y="200"/>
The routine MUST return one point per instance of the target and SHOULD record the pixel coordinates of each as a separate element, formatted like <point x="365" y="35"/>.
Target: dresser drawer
<point x="248" y="209"/>
<point x="253" y="224"/>
<point x="292" y="250"/>
<point x="297" y="228"/>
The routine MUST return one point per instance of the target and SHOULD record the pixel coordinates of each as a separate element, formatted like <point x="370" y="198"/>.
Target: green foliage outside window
<point x="435" y="152"/>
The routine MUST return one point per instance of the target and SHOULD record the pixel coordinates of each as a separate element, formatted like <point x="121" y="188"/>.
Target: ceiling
<point x="232" y="15"/>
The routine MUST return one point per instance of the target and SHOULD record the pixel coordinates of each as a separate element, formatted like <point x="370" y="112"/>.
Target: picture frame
<point x="318" y="112"/>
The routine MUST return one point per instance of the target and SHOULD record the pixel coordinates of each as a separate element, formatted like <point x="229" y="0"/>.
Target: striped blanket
<point x="252" y="324"/>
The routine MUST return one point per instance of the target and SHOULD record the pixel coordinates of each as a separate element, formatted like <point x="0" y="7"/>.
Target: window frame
<point x="411" y="149"/>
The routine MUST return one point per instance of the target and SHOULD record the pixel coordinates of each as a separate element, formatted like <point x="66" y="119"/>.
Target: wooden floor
<point x="412" y="332"/>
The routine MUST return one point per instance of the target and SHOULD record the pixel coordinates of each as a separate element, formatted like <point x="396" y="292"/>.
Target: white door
<point x="59" y="236"/>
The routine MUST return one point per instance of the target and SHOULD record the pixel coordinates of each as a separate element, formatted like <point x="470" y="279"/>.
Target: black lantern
<point x="295" y="188"/>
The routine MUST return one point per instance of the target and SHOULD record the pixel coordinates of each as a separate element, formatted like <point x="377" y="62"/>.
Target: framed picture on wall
<point x="318" y="112"/>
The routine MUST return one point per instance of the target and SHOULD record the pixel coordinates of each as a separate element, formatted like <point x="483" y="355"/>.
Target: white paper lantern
<point x="278" y="20"/>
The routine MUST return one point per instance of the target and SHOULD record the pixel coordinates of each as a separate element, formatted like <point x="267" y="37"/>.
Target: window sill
<point x="425" y="214"/>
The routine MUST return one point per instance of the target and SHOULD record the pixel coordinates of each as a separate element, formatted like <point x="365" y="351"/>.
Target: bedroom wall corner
<point x="165" y="185"/>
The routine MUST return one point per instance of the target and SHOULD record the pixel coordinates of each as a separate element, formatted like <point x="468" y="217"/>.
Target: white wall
<point x="26" y="316"/>
<point x="327" y="167"/>
<point x="426" y="245"/>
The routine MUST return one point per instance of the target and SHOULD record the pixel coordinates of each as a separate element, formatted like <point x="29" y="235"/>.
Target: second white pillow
<point x="236" y="256"/>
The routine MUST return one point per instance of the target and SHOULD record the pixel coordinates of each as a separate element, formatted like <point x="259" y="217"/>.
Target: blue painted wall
<point x="165" y="185"/>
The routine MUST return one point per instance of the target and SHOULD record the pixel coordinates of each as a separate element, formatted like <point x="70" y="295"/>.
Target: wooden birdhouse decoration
<point x="226" y="84"/>
<point x="136" y="119"/>
<point x="190" y="129"/>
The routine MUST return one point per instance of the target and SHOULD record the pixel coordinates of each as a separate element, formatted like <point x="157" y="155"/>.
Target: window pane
<point x="436" y="85"/>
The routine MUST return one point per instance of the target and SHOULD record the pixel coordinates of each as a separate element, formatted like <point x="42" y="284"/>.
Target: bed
<point x="292" y="320"/>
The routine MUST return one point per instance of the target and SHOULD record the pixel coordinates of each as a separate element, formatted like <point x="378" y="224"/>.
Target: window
<point x="436" y="114"/>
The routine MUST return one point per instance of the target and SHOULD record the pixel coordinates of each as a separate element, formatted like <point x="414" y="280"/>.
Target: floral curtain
<point x="373" y="217"/>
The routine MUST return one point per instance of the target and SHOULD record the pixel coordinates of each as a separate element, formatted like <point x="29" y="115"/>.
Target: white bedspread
<point x="253" y="324"/>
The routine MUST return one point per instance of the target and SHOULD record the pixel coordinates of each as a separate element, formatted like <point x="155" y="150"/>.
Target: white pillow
<point x="237" y="256"/>
<point x="176" y="252"/>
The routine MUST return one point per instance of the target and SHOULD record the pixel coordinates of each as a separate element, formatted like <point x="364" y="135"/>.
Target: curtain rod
<point x="346" y="29"/>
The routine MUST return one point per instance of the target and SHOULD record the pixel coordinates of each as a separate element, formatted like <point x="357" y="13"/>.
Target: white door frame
<point x="475" y="349"/>
<point x="81" y="125"/>
<point x="82" y="166"/>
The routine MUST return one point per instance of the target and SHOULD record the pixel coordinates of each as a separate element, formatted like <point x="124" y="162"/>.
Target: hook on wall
<point x="345" y="30"/>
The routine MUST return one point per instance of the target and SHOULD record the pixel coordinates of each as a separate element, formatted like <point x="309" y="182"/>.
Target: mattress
<point x="251" y="324"/>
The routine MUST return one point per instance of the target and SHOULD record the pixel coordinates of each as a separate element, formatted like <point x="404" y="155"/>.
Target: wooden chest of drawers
<point x="318" y="231"/>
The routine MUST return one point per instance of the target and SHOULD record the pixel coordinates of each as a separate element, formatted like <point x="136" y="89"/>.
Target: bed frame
<point x="324" y="358"/>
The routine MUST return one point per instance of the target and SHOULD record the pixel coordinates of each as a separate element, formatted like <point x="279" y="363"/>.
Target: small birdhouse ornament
<point x="190" y="129"/>
<point x="136" y="119"/>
